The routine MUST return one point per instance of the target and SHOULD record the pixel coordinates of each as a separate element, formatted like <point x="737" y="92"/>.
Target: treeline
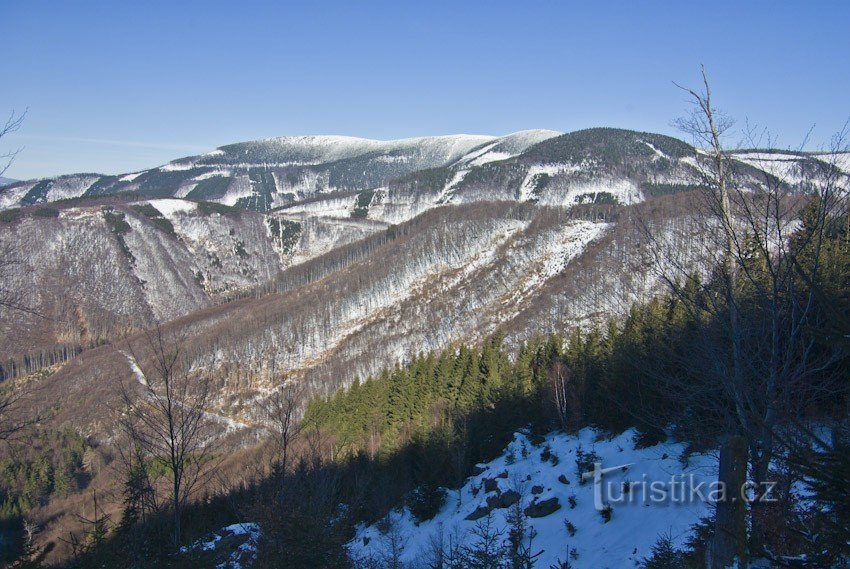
<point x="25" y="364"/>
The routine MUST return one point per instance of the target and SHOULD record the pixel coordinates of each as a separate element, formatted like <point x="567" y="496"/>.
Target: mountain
<point x="521" y="232"/>
<point x="264" y="174"/>
<point x="6" y="181"/>
<point x="320" y="260"/>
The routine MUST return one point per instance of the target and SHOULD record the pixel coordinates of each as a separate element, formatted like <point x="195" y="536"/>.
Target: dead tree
<point x="757" y="304"/>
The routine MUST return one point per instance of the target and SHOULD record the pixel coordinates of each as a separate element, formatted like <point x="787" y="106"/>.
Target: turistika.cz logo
<point x="678" y="489"/>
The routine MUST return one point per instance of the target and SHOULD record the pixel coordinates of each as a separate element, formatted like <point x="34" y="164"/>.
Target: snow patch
<point x="130" y="177"/>
<point x="170" y="207"/>
<point x="243" y="555"/>
<point x="621" y="542"/>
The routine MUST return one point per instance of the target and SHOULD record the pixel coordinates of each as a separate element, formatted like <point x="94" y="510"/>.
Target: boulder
<point x="508" y="499"/>
<point x="478" y="513"/>
<point x="543" y="509"/>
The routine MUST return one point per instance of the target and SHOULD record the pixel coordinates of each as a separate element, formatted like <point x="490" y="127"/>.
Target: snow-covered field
<point x="636" y="522"/>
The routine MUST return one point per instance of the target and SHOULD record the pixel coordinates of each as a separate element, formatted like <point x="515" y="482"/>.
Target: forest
<point x="417" y="429"/>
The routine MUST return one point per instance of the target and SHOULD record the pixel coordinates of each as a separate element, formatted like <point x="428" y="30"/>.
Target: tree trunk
<point x="728" y="547"/>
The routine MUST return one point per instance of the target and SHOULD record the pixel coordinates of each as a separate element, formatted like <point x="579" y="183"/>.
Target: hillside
<point x="322" y="261"/>
<point x="563" y="523"/>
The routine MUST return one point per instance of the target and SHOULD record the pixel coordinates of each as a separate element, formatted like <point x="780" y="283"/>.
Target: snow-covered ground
<point x="232" y="547"/>
<point x="636" y="522"/>
<point x="170" y="207"/>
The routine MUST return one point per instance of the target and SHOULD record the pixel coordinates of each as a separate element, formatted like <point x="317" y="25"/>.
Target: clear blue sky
<point x="118" y="86"/>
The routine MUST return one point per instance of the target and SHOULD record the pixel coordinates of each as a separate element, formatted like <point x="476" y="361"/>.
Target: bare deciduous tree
<point x="11" y="301"/>
<point x="282" y="413"/>
<point x="12" y="124"/>
<point x="166" y="418"/>
<point x="759" y="312"/>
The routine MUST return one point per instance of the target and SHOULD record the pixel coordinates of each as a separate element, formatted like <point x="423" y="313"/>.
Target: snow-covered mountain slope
<point x="95" y="271"/>
<point x="794" y="167"/>
<point x="264" y="174"/>
<point x="543" y="480"/>
<point x="392" y="181"/>
<point x="529" y="233"/>
<point x="602" y="166"/>
<point x="455" y="273"/>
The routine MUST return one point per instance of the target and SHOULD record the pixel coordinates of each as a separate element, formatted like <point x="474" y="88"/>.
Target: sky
<point x="113" y="87"/>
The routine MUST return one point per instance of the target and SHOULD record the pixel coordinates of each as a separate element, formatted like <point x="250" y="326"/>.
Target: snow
<point x="137" y="371"/>
<point x="506" y="147"/>
<point x="787" y="166"/>
<point x="840" y="159"/>
<point x="10" y="198"/>
<point x="212" y="174"/>
<point x="622" y="542"/>
<point x="446" y="194"/>
<point x="324" y="149"/>
<point x="170" y="207"/>
<point x="658" y="153"/>
<point x="177" y="166"/>
<point x="130" y="177"/>
<point x="490" y="157"/>
<point x="551" y="257"/>
<point x="242" y="556"/>
<point x="526" y="188"/>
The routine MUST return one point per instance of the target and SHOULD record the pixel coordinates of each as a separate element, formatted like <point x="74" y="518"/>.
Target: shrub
<point x="664" y="555"/>
<point x="584" y="462"/>
<point x="425" y="501"/>
<point x="116" y="222"/>
<point x="361" y="205"/>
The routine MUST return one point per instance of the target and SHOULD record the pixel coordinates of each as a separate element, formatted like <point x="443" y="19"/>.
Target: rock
<point x="476" y="470"/>
<point x="366" y="540"/>
<point x="508" y="499"/>
<point x="563" y="479"/>
<point x="502" y="474"/>
<point x="490" y="485"/>
<point x="536" y="490"/>
<point x="543" y="509"/>
<point x="494" y="502"/>
<point x="480" y="512"/>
